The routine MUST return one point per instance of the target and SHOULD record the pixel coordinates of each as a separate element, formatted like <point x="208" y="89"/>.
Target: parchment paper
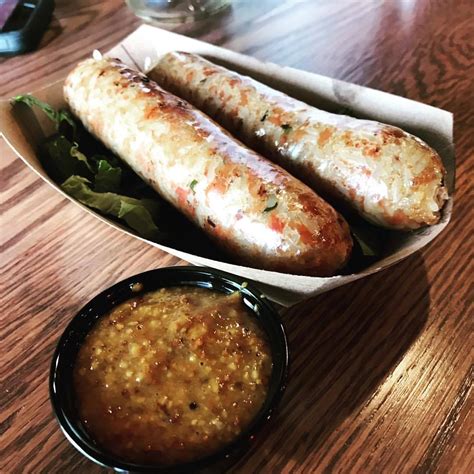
<point x="144" y="47"/>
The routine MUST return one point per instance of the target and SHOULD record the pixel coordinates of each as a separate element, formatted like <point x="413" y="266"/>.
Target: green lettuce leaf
<point x="60" y="117"/>
<point x="107" y="178"/>
<point x="63" y="159"/>
<point x="75" y="153"/>
<point x="75" y="159"/>
<point x="136" y="213"/>
<point x="368" y="240"/>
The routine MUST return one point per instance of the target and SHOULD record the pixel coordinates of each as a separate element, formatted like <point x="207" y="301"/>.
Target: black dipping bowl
<point x="61" y="377"/>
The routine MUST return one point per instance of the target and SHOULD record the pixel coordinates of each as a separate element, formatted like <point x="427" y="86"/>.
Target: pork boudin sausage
<point x="255" y="210"/>
<point x="390" y="177"/>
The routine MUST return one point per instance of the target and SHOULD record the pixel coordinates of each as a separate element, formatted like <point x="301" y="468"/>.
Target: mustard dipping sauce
<point x="172" y="375"/>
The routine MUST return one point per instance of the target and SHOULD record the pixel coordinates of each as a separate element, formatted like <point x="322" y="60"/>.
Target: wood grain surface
<point x="381" y="369"/>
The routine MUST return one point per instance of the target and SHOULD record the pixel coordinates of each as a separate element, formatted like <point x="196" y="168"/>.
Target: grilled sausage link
<point x="390" y="177"/>
<point x="255" y="210"/>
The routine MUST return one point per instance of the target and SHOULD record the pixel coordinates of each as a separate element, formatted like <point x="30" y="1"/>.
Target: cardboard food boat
<point x="144" y="47"/>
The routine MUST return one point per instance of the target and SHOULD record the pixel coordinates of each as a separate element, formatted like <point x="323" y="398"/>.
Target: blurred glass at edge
<point x="176" y="11"/>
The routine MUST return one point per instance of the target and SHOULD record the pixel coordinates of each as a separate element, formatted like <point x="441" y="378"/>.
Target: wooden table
<point x="382" y="368"/>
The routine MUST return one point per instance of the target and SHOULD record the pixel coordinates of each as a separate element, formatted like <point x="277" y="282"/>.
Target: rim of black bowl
<point x="60" y="381"/>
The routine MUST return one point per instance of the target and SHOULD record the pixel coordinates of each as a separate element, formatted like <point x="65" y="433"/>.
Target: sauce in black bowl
<point x="64" y="398"/>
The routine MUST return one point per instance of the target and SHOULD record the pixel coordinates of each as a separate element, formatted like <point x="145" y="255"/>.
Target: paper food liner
<point x="144" y="47"/>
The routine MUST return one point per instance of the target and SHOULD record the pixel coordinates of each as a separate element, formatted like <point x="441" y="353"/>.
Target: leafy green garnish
<point x="192" y="184"/>
<point x="107" y="178"/>
<point x="75" y="153"/>
<point x="286" y="128"/>
<point x="60" y="117"/>
<point x="64" y="159"/>
<point x="368" y="240"/>
<point x="137" y="213"/>
<point x="272" y="203"/>
<point x="264" y="116"/>
<point x="101" y="182"/>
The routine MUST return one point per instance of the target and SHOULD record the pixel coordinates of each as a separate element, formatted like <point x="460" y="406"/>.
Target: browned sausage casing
<point x="390" y="177"/>
<point x="259" y="213"/>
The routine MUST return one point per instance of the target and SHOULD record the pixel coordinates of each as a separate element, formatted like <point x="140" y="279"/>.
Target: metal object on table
<point x="176" y="11"/>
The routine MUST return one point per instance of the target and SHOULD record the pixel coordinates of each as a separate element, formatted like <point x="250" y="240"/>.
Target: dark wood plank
<point x="382" y="368"/>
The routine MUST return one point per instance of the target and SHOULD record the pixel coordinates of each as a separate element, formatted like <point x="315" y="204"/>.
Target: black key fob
<point x="22" y="24"/>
